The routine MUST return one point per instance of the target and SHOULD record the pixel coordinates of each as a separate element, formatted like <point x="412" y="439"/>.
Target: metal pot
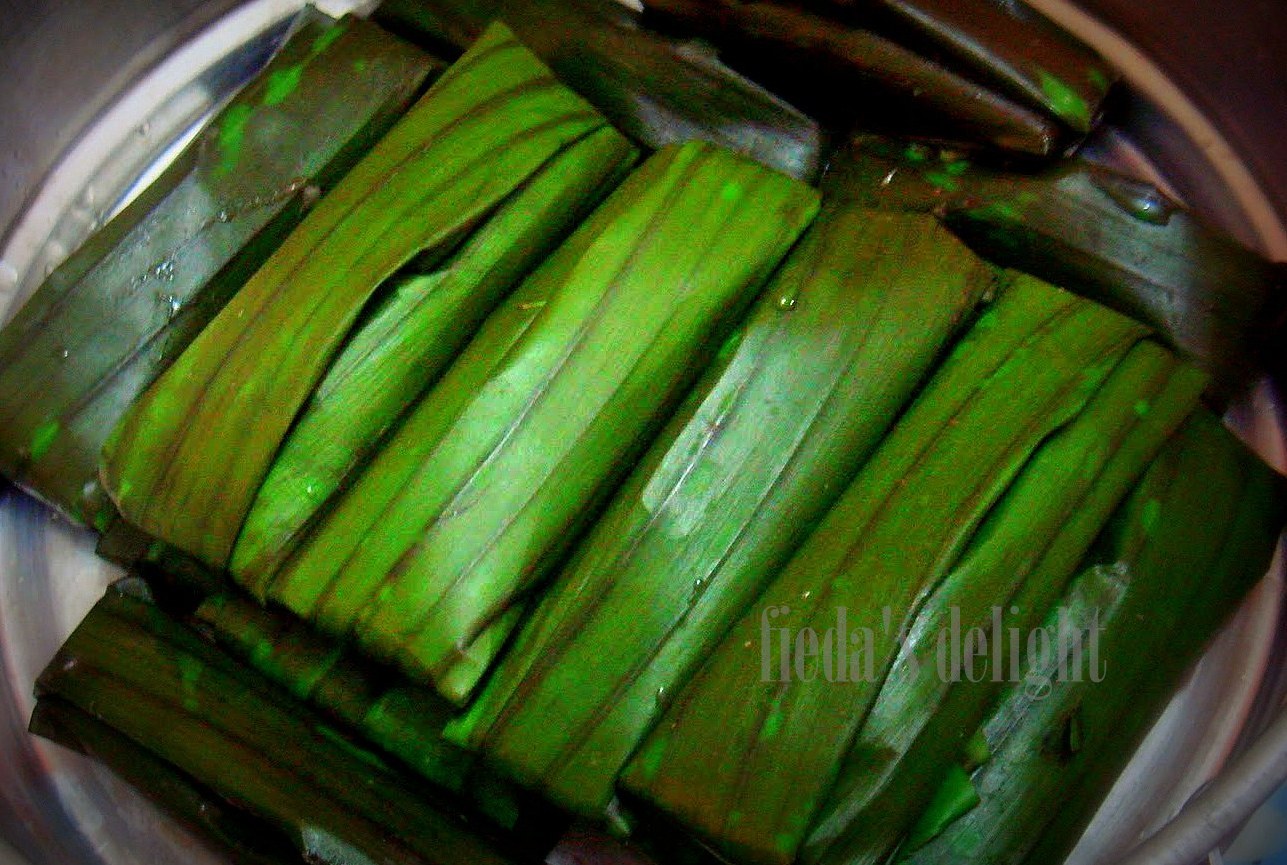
<point x="94" y="93"/>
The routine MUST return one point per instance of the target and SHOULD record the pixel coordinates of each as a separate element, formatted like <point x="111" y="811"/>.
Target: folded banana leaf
<point x="407" y="342"/>
<point x="1180" y="553"/>
<point x="1014" y="570"/>
<point x="853" y="77"/>
<point x="426" y="558"/>
<point x="186" y="461"/>
<point x="308" y="666"/>
<point x="106" y="322"/>
<point x="396" y="718"/>
<point x="1112" y="238"/>
<point x="1208" y="295"/>
<point x="451" y="26"/>
<point x="1008" y="46"/>
<point x="234" y="833"/>
<point x="159" y="684"/>
<point x="748" y="750"/>
<point x="656" y="89"/>
<point x="766" y="442"/>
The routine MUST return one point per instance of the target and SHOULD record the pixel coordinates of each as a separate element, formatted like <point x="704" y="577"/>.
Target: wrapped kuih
<point x="186" y="461"/>
<point x="656" y="89"/>
<point x="1013" y="571"/>
<point x="245" y="839"/>
<point x="428" y="557"/>
<point x="1178" y="556"/>
<point x="1123" y="243"/>
<point x="851" y="76"/>
<point x="748" y="750"/>
<point x="407" y="341"/>
<point x="777" y="427"/>
<point x="397" y="718"/>
<point x="1110" y="237"/>
<point x="323" y="672"/>
<point x="157" y="683"/>
<point x="1008" y="46"/>
<point x="113" y="316"/>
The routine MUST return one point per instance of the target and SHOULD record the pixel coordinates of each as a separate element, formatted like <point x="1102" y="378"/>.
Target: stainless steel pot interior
<point x="69" y="163"/>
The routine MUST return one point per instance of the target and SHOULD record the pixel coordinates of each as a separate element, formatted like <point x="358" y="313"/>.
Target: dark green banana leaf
<point x="1180" y="553"/>
<point x="186" y="461"/>
<point x="656" y="89"/>
<point x="395" y="717"/>
<point x="749" y="749"/>
<point x="428" y="557"/>
<point x="408" y="341"/>
<point x="1112" y="238"/>
<point x="1013" y="572"/>
<point x="112" y="317"/>
<point x="1009" y="46"/>
<point x="859" y="78"/>
<point x="239" y="836"/>
<point x="778" y="426"/>
<point x="156" y="682"/>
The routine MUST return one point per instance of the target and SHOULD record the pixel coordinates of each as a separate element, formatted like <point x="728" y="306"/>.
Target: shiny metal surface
<point x="1228" y="58"/>
<point x="55" y="806"/>
<point x="59" y="808"/>
<point x="77" y="57"/>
